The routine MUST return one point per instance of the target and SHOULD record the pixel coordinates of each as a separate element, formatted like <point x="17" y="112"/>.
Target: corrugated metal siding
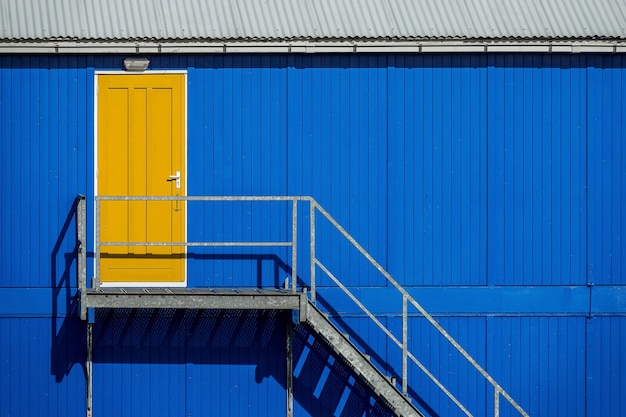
<point x="41" y="367"/>
<point x="437" y="174"/>
<point x="152" y="363"/>
<point x="606" y="392"/>
<point x="459" y="377"/>
<point x="607" y="182"/>
<point x="537" y="169"/>
<point x="553" y="350"/>
<point x="237" y="130"/>
<point x="327" y="19"/>
<point x="44" y="115"/>
<point x="442" y="166"/>
<point x="569" y="362"/>
<point x="337" y="152"/>
<point x="488" y="170"/>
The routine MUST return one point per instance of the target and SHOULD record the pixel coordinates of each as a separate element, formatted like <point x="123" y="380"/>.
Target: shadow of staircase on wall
<point x="359" y="363"/>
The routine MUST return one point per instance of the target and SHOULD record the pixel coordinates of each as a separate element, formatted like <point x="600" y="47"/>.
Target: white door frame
<point x="182" y="283"/>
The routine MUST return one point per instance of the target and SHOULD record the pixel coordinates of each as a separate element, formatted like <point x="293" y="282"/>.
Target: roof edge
<point x="312" y="47"/>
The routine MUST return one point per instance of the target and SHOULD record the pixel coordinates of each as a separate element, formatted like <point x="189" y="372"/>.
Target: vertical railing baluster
<point x="294" y="244"/>
<point x="312" y="254"/>
<point x="405" y="343"/>
<point x="496" y="402"/>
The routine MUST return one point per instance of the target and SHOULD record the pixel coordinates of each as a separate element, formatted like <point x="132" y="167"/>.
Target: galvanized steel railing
<point x="315" y="263"/>
<point x="406" y="300"/>
<point x="293" y="243"/>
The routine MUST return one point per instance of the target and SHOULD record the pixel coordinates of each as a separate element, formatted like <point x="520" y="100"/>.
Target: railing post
<point x="81" y="261"/>
<point x="96" y="281"/>
<point x="496" y="402"/>
<point x="312" y="255"/>
<point x="405" y="343"/>
<point x="294" y="244"/>
<point x="89" y="370"/>
<point x="289" y="356"/>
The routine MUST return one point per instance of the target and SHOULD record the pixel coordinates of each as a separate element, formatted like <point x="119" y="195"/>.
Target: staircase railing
<point x="406" y="300"/>
<point x="315" y="262"/>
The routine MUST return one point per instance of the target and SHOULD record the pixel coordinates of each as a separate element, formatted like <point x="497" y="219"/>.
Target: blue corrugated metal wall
<point x="537" y="161"/>
<point x="492" y="186"/>
<point x="438" y="137"/>
<point x="237" y="116"/>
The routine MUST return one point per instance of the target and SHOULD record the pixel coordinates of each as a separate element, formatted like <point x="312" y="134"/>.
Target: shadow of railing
<point x="68" y="333"/>
<point x="126" y="339"/>
<point x="365" y="346"/>
<point x="409" y="307"/>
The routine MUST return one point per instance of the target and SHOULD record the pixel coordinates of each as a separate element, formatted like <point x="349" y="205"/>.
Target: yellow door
<point x="141" y="149"/>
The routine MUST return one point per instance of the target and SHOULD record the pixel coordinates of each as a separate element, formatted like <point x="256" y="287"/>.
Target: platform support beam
<point x="89" y="369"/>
<point x="289" y="356"/>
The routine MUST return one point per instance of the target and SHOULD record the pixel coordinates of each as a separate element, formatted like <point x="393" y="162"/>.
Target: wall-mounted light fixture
<point x="136" y="63"/>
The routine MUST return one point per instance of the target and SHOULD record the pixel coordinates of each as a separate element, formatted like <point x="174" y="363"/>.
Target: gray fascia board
<point x="339" y="46"/>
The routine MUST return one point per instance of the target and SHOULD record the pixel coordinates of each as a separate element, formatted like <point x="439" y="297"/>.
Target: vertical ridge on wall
<point x="607" y="170"/>
<point x="551" y="346"/>
<point x="446" y="364"/>
<point x="6" y="214"/>
<point x="40" y="369"/>
<point x="437" y="150"/>
<point x="240" y="121"/>
<point x="164" y="362"/>
<point x="606" y="387"/>
<point x="537" y="169"/>
<point x="338" y="152"/>
<point x="41" y="167"/>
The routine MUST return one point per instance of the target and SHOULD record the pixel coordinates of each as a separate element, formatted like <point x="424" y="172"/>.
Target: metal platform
<point x="204" y="298"/>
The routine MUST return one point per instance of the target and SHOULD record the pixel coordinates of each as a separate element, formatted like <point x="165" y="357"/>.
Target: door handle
<point x="176" y="178"/>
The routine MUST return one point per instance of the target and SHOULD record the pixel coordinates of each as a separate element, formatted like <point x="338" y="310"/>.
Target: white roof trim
<point x="311" y="47"/>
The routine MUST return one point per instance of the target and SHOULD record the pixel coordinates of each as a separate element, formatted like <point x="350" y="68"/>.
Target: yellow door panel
<point x="141" y="143"/>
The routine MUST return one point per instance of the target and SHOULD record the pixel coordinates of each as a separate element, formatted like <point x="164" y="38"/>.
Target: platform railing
<point x="314" y="210"/>
<point x="292" y="243"/>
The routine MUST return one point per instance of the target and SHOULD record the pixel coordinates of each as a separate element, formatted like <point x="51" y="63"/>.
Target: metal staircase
<point x="302" y="300"/>
<point x="382" y="386"/>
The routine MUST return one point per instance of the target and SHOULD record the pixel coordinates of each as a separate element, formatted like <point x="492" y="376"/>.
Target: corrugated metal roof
<point x="219" y="20"/>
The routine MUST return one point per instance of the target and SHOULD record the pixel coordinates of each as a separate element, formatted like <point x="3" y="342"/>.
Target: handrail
<point x="406" y="297"/>
<point x="402" y="345"/>
<point x="314" y="208"/>
<point x="293" y="243"/>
